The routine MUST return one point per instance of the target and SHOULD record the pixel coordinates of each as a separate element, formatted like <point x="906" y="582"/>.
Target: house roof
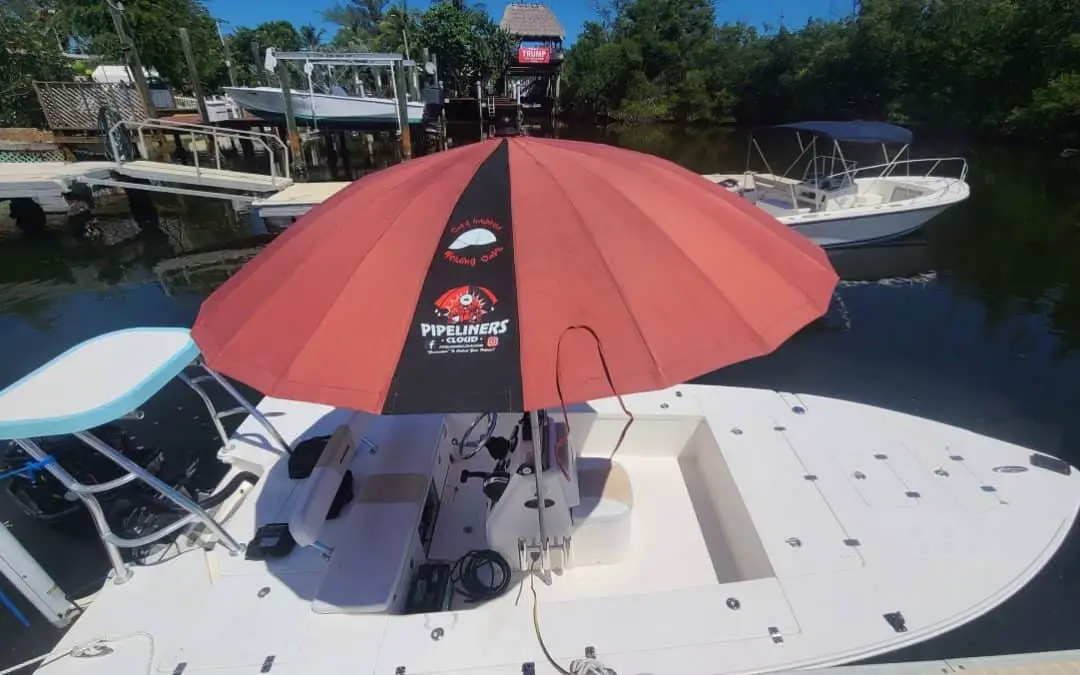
<point x="531" y="20"/>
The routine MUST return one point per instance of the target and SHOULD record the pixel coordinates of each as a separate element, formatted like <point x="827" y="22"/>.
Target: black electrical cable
<point x="469" y="579"/>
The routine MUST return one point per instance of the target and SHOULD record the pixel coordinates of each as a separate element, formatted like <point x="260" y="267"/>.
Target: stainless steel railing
<point x="279" y="171"/>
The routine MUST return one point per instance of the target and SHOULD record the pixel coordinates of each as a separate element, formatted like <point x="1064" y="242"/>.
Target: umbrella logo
<point x="473" y="241"/>
<point x="466" y="326"/>
<point x="478" y="236"/>
<point x="465" y="304"/>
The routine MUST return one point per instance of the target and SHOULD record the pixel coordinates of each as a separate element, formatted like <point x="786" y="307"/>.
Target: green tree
<point x="310" y="36"/>
<point x="29" y="50"/>
<point x="281" y="35"/>
<point x="152" y="25"/>
<point x="469" y="46"/>
<point x="987" y="66"/>
<point x="358" y="17"/>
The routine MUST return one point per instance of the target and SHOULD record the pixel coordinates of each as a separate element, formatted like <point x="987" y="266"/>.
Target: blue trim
<point x="855" y="131"/>
<point x="29" y="469"/>
<point x="6" y="602"/>
<point x="108" y="411"/>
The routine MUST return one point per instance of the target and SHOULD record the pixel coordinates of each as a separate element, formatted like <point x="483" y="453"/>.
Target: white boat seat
<point x="869" y="199"/>
<point x="368" y="571"/>
<point x="601" y="533"/>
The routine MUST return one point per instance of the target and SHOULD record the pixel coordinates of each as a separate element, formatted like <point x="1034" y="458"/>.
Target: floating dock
<point x="49" y="183"/>
<point x="295" y="200"/>
<point x="46" y="182"/>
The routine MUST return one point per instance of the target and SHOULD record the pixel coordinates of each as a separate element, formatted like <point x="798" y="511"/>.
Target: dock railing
<point x="279" y="171"/>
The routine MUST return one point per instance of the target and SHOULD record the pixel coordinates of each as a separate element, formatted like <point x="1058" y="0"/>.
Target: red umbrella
<point x="510" y="275"/>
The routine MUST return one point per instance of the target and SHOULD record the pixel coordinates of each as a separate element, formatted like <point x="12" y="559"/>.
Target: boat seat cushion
<point x="602" y="519"/>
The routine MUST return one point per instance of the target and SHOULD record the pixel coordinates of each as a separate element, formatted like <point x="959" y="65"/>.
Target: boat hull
<point x="859" y="224"/>
<point x="863" y="230"/>
<point x="269" y="103"/>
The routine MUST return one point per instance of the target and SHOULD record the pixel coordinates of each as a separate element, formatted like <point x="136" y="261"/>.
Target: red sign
<point x="534" y="55"/>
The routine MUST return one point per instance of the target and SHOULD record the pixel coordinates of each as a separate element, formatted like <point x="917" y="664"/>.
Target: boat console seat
<point x="371" y="568"/>
<point x="368" y="571"/>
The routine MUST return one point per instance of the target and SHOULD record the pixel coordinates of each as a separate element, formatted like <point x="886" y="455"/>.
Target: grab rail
<point x="887" y="169"/>
<point x="214" y="132"/>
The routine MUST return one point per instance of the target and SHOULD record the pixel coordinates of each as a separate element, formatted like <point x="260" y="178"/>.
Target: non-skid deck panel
<point x="502" y="634"/>
<point x="798" y="529"/>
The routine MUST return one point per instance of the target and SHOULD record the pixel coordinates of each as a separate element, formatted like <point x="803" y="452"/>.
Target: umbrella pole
<point x="538" y="470"/>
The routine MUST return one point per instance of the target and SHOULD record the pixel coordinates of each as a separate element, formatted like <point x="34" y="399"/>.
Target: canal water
<point x="974" y="322"/>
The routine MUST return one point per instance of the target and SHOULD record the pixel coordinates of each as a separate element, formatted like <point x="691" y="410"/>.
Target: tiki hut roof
<point x="531" y="20"/>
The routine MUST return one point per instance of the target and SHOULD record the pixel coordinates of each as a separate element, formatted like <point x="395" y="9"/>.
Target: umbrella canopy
<point x="512" y="274"/>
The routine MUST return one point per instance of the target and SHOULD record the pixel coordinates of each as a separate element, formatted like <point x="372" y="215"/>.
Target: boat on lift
<point x="718" y="530"/>
<point x="333" y="104"/>
<point x="833" y="200"/>
<point x="313" y="107"/>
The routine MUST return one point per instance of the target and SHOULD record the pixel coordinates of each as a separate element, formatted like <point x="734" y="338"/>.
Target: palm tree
<point x="310" y="36"/>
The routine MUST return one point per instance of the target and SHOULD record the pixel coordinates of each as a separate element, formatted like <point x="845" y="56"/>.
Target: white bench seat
<point x="368" y="572"/>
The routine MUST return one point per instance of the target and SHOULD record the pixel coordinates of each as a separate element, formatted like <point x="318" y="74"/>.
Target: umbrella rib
<point x="420" y="177"/>
<point x="759" y="338"/>
<point x="341" y="223"/>
<point x="669" y="169"/>
<point x="596" y="247"/>
<point x="806" y="255"/>
<point x="697" y="269"/>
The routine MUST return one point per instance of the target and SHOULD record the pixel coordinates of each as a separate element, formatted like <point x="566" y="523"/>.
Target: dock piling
<point x="290" y="118"/>
<point x="403" y="108"/>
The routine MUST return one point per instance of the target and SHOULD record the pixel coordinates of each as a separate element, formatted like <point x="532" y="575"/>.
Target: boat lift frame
<point x="16" y="564"/>
<point x="313" y="58"/>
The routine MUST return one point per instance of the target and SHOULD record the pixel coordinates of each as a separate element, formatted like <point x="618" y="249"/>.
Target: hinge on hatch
<point x="268" y="663"/>
<point x="774" y="633"/>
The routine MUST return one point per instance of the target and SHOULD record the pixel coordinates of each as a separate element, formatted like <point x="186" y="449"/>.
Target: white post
<point x="541" y="494"/>
<point x="32" y="581"/>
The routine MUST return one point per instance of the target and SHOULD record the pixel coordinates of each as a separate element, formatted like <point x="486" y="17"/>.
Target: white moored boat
<point x="269" y="103"/>
<point x="729" y="531"/>
<point x="836" y="202"/>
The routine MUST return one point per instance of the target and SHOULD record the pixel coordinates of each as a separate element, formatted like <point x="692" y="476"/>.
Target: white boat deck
<point x="1038" y="663"/>
<point x="771" y="531"/>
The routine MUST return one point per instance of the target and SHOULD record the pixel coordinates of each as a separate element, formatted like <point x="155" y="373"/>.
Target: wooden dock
<point x="49" y="183"/>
